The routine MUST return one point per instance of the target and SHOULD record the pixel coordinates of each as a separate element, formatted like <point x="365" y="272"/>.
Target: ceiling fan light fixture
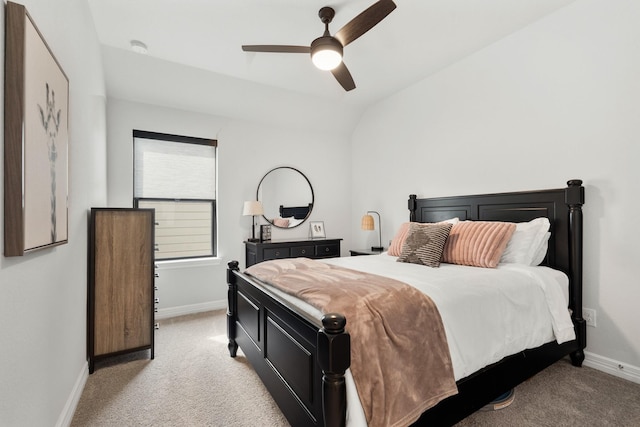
<point x="326" y="52"/>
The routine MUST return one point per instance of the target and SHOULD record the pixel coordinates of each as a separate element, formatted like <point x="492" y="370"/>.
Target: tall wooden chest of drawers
<point x="120" y="294"/>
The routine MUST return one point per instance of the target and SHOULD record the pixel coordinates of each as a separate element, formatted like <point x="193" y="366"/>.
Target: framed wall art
<point x="316" y="230"/>
<point x="265" y="232"/>
<point x="36" y="139"/>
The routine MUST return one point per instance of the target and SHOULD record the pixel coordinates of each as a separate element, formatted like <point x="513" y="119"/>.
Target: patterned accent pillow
<point x="395" y="248"/>
<point x="424" y="243"/>
<point x="477" y="243"/>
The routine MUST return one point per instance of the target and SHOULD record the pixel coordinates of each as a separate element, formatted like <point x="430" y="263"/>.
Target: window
<point x="176" y="176"/>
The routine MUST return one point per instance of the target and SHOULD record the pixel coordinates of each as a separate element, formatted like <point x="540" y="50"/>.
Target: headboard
<point x="562" y="206"/>
<point x="298" y="212"/>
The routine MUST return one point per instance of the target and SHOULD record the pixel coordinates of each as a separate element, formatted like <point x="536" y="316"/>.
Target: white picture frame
<point x="316" y="230"/>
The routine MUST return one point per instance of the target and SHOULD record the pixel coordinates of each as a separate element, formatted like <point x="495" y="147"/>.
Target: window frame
<point x="187" y="140"/>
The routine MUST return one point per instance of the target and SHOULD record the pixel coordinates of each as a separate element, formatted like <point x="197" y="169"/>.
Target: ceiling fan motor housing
<point x="326" y="14"/>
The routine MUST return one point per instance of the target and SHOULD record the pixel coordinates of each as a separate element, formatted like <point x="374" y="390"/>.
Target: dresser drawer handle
<point x="326" y="249"/>
<point x="277" y="253"/>
<point x="304" y="251"/>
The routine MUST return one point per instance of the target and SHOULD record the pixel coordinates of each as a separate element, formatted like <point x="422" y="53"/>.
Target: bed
<point x="302" y="360"/>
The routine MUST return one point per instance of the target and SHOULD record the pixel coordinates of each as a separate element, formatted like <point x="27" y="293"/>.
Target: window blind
<point x="174" y="170"/>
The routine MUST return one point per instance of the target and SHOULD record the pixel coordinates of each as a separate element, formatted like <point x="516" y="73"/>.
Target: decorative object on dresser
<point x="120" y="294"/>
<point x="252" y="208"/>
<point x="276" y="249"/>
<point x="316" y="230"/>
<point x="265" y="232"/>
<point x="36" y="139"/>
<point x="287" y="197"/>
<point x="367" y="223"/>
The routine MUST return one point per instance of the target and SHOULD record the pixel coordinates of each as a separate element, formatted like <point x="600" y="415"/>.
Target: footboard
<point x="300" y="360"/>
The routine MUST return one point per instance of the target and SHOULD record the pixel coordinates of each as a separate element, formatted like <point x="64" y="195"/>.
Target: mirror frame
<point x="312" y="204"/>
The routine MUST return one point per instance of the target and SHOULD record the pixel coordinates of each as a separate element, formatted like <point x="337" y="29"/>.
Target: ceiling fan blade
<point x="365" y="21"/>
<point x="343" y="76"/>
<point x="275" y="48"/>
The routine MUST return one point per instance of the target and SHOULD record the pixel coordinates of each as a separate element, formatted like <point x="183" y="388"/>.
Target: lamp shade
<point x="367" y="223"/>
<point x="252" y="207"/>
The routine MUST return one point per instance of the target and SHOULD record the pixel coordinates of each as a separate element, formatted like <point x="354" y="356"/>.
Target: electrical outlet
<point x="589" y="315"/>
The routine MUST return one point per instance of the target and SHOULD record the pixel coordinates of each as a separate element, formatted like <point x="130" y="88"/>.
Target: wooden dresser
<point x="120" y="294"/>
<point x="275" y="249"/>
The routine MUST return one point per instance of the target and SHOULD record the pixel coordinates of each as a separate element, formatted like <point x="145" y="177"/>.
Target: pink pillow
<point x="477" y="243"/>
<point x="395" y="249"/>
<point x="281" y="222"/>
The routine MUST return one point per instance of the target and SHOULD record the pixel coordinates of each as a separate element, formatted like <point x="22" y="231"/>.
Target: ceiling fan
<point x="326" y="51"/>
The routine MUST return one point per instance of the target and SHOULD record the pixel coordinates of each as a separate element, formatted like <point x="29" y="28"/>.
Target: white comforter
<point x="487" y="313"/>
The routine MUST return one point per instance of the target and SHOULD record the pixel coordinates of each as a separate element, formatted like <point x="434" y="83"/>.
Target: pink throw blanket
<point x="400" y="359"/>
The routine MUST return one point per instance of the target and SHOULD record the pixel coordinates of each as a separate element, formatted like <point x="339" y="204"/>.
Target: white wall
<point x="557" y="100"/>
<point x="43" y="294"/>
<point x="246" y="151"/>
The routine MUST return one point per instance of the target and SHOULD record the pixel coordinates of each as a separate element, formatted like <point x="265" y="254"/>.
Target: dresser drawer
<point x="276" y="253"/>
<point x="328" y="250"/>
<point x="256" y="252"/>
<point x="302" y="251"/>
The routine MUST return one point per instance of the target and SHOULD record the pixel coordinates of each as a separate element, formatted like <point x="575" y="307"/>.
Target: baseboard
<point x="165" y="313"/>
<point x="72" y="402"/>
<point x="613" y="367"/>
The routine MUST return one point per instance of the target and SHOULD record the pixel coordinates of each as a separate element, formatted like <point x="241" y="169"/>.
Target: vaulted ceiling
<point x="194" y="48"/>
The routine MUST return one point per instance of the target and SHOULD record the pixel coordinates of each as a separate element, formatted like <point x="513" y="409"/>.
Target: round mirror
<point x="286" y="196"/>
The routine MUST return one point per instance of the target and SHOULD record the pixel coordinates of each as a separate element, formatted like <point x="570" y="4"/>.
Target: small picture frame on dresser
<point x="265" y="233"/>
<point x="316" y="230"/>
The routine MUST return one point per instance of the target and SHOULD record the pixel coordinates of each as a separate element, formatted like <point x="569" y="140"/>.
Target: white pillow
<point x="527" y="242"/>
<point x="293" y="222"/>
<point x="542" y="250"/>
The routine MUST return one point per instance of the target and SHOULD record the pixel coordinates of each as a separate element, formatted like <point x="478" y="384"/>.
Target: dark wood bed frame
<point x="302" y="360"/>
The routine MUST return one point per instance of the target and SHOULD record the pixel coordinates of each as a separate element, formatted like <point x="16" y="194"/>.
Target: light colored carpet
<point x="193" y="382"/>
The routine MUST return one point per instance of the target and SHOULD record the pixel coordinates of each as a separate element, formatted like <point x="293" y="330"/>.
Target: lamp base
<point x="377" y="248"/>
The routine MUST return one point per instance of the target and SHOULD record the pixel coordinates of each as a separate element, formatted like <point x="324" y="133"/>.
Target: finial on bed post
<point x="413" y="205"/>
<point x="574" y="198"/>
<point x="232" y="307"/>
<point x="334" y="357"/>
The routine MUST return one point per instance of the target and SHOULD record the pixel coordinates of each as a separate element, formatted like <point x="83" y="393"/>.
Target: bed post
<point x="574" y="198"/>
<point x="334" y="357"/>
<point x="413" y="204"/>
<point x="232" y="307"/>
